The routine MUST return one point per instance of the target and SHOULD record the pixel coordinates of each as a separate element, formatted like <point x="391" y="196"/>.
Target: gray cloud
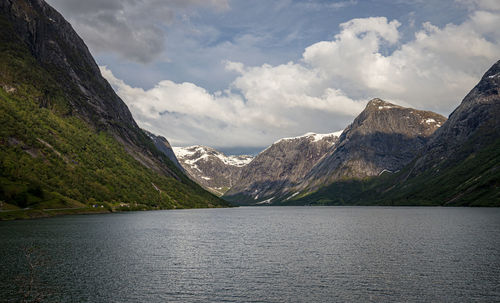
<point x="131" y="28"/>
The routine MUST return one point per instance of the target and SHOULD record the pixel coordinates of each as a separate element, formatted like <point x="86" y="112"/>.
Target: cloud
<point x="132" y="28"/>
<point x="262" y="105"/>
<point x="327" y="87"/>
<point x="433" y="71"/>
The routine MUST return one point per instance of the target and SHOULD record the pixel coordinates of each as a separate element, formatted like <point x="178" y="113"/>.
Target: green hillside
<point x="51" y="158"/>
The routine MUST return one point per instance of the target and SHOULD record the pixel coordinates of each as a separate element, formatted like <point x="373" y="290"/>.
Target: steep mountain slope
<point x="280" y="167"/>
<point x="384" y="137"/>
<point x="478" y="116"/>
<point x="66" y="138"/>
<point x="210" y="168"/>
<point x="162" y="144"/>
<point x="460" y="164"/>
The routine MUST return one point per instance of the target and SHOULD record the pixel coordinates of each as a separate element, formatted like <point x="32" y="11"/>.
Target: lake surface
<point x="262" y="254"/>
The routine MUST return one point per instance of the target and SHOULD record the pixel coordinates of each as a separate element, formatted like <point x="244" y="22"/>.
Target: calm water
<point x="263" y="254"/>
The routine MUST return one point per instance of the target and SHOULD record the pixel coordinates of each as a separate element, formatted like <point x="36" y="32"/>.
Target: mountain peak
<point x="211" y="168"/>
<point x="489" y="82"/>
<point x="476" y="118"/>
<point x="379" y="104"/>
<point x="195" y="153"/>
<point x="493" y="72"/>
<point x="384" y="137"/>
<point x="314" y="137"/>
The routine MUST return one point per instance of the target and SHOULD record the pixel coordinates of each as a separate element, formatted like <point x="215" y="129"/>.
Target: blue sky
<point x="238" y="75"/>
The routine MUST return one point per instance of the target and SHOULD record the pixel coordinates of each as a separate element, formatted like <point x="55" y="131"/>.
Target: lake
<point x="261" y="254"/>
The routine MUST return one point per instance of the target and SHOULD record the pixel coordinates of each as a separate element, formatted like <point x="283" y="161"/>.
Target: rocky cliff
<point x="478" y="115"/>
<point x="280" y="167"/>
<point x="383" y="138"/>
<point x="460" y="165"/>
<point x="57" y="48"/>
<point x="162" y="144"/>
<point x="210" y="168"/>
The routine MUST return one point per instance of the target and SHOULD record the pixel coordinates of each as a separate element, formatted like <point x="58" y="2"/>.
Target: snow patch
<point x="238" y="161"/>
<point x="184" y="153"/>
<point x="431" y="121"/>
<point x="338" y="133"/>
<point x="206" y="178"/>
<point x="268" y="201"/>
<point x="386" y="107"/>
<point x="319" y="137"/>
<point x="385" y="171"/>
<point x="292" y="196"/>
<point x="314" y="136"/>
<point x="494" y="76"/>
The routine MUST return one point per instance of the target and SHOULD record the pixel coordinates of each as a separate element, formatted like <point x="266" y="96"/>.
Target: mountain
<point x="67" y="140"/>
<point x="210" y="168"/>
<point x="162" y="144"/>
<point x="459" y="165"/>
<point x="280" y="167"/>
<point x="384" y="137"/>
<point x="477" y="118"/>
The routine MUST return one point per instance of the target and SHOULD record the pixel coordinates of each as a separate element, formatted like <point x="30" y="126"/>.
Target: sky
<point x="238" y="75"/>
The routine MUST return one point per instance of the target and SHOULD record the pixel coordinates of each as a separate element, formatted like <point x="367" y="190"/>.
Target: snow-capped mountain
<point x="280" y="167"/>
<point x="383" y="138"/>
<point x="210" y="168"/>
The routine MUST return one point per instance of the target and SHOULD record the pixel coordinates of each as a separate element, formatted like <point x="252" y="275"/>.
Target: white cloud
<point x="328" y="87"/>
<point x="263" y="104"/>
<point x="433" y="71"/>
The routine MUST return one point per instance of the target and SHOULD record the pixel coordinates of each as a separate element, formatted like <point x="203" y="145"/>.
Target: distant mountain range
<point x="67" y="140"/>
<point x="389" y="155"/>
<point x="210" y="168"/>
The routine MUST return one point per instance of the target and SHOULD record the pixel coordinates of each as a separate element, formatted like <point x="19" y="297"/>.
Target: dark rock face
<point x="280" y="167"/>
<point x="57" y="47"/>
<point x="460" y="165"/>
<point x="164" y="146"/>
<point x="478" y="114"/>
<point x="384" y="137"/>
<point x="210" y="168"/>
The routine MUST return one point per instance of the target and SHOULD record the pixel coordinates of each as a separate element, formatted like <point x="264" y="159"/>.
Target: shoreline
<point x="30" y="214"/>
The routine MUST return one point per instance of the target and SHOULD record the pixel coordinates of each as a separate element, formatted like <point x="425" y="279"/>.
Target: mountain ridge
<point x="211" y="168"/>
<point x="279" y="167"/>
<point x="68" y="141"/>
<point x="383" y="137"/>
